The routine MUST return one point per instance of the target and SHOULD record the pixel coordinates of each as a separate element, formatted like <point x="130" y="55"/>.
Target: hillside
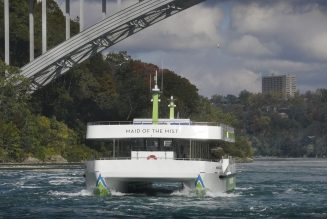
<point x="116" y="88"/>
<point x="295" y="127"/>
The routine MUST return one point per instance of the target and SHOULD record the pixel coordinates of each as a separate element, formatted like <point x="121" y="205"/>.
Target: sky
<point x="226" y="46"/>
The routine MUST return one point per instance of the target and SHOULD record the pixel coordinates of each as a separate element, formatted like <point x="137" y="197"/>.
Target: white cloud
<point x="262" y="38"/>
<point x="281" y="66"/>
<point x="318" y="46"/>
<point x="256" y="37"/>
<point x="183" y="31"/>
<point x="249" y="46"/>
<point x="301" y="31"/>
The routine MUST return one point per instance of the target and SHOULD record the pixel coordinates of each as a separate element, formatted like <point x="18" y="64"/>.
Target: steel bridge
<point x="113" y="29"/>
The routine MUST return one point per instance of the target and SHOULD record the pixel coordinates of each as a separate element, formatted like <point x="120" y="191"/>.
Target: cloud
<point x="183" y="31"/>
<point x="281" y="66"/>
<point x="318" y="46"/>
<point x="310" y="75"/>
<point x="210" y="70"/>
<point x="256" y="37"/>
<point x="248" y="45"/>
<point x="300" y="29"/>
<point x="232" y="81"/>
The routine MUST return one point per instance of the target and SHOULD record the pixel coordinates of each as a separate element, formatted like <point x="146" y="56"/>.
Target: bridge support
<point x="81" y="15"/>
<point x="103" y="35"/>
<point x="104" y="9"/>
<point x="44" y="26"/>
<point x="31" y="29"/>
<point x="67" y="15"/>
<point x="6" y="13"/>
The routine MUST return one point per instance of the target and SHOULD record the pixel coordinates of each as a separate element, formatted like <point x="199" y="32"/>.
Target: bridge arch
<point x="99" y="37"/>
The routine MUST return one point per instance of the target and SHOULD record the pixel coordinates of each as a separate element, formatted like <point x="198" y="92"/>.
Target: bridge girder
<point x="99" y="37"/>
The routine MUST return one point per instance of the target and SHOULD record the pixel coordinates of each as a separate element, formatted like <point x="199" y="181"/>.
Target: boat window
<point x="167" y="143"/>
<point x="152" y="145"/>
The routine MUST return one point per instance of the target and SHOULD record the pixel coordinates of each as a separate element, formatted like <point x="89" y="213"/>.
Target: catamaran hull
<point x="118" y="175"/>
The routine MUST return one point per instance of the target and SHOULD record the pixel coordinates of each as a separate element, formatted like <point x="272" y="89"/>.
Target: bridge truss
<point x="99" y="37"/>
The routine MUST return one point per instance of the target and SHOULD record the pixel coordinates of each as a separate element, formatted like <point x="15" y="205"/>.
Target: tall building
<point x="282" y="85"/>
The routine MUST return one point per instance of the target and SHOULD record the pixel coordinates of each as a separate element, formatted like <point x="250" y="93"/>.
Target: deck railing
<point x="145" y="158"/>
<point x="151" y="123"/>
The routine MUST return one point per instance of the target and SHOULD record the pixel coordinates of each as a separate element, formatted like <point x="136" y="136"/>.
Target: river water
<point x="265" y="189"/>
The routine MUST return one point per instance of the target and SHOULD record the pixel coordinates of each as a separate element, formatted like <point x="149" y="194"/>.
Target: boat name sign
<point x="152" y="131"/>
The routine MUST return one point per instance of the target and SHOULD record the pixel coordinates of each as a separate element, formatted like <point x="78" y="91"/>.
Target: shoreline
<point x="80" y="165"/>
<point x="287" y="158"/>
<point x="45" y="165"/>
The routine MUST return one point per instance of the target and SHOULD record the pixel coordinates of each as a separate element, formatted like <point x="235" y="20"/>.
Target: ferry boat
<point x="146" y="151"/>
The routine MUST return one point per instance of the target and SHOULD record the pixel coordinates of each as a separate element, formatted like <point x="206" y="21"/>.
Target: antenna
<point x="155" y="100"/>
<point x="161" y="75"/>
<point x="161" y="80"/>
<point x="150" y="82"/>
<point x="156" y="79"/>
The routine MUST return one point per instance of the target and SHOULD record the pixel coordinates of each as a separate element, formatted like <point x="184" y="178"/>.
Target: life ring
<point x="151" y="157"/>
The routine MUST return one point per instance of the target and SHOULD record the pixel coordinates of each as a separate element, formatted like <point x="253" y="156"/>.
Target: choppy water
<point x="265" y="189"/>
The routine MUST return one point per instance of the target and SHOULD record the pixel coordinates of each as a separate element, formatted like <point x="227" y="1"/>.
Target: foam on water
<point x="191" y="193"/>
<point x="83" y="192"/>
<point x="61" y="182"/>
<point x="243" y="189"/>
<point x="222" y="194"/>
<point x="183" y="192"/>
<point x="31" y="187"/>
<point x="114" y="193"/>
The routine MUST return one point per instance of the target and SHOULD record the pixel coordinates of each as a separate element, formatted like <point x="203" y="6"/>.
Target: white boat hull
<point x="214" y="177"/>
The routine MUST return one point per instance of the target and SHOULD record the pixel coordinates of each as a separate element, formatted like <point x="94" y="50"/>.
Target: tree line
<point x="295" y="127"/>
<point x="52" y="120"/>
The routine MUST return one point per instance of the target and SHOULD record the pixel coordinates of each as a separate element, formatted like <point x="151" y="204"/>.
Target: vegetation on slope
<point x="23" y="133"/>
<point x="277" y="127"/>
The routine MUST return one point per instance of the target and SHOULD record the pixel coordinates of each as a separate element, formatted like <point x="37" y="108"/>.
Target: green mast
<point x="171" y="108"/>
<point x="155" y="101"/>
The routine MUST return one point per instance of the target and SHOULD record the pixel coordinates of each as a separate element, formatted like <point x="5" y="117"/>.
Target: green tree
<point x="10" y="142"/>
